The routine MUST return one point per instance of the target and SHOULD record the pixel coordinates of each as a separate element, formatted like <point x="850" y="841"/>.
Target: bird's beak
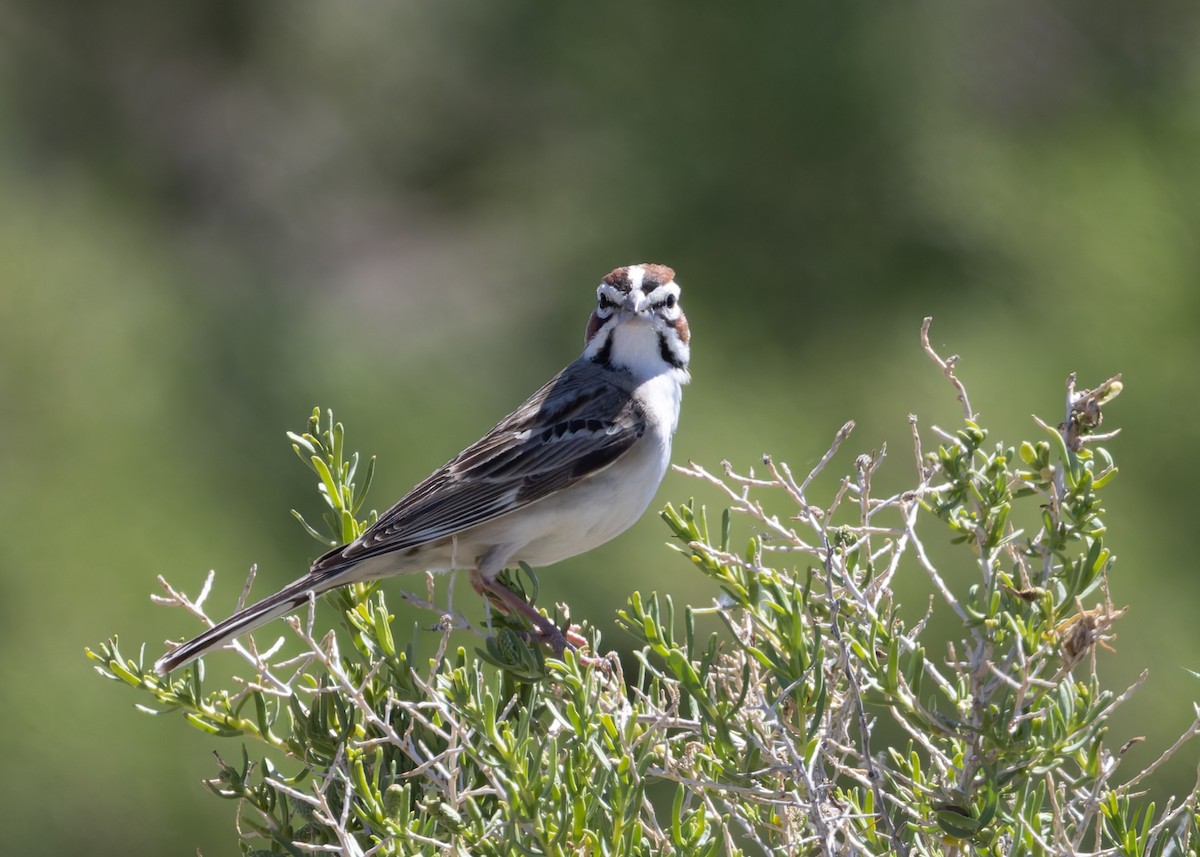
<point x="636" y="303"/>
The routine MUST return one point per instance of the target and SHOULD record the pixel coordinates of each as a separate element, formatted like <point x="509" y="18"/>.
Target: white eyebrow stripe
<point x="670" y="287"/>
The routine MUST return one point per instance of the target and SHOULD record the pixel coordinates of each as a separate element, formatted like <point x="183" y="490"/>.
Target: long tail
<point x="281" y="603"/>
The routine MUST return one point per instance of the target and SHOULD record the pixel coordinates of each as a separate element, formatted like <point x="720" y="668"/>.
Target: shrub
<point x="767" y="736"/>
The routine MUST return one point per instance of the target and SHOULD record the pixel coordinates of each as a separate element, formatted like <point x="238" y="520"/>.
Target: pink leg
<point x="506" y="598"/>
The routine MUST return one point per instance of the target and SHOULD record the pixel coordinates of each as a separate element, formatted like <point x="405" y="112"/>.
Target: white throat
<point x="635" y="348"/>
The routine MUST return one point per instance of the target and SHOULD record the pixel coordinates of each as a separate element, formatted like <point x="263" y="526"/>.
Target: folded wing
<point x="546" y="445"/>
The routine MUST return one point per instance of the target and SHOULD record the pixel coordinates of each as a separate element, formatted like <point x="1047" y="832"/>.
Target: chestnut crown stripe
<point x="653" y="276"/>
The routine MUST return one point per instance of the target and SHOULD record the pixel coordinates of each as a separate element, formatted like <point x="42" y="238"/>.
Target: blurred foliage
<point x="213" y="214"/>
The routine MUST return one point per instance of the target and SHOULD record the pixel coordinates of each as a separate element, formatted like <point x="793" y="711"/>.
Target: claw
<point x="543" y="631"/>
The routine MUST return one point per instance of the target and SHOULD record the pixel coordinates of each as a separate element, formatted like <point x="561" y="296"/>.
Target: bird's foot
<point x="543" y="632"/>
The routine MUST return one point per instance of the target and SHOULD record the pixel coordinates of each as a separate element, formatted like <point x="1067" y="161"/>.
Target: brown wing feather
<point x="542" y="447"/>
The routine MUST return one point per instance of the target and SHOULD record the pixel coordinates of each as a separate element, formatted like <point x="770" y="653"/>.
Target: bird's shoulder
<point x="582" y="401"/>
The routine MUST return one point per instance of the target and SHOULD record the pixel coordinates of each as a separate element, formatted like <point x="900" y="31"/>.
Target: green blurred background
<point x="214" y="215"/>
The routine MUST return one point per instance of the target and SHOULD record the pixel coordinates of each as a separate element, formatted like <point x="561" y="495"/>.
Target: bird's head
<point x="638" y="324"/>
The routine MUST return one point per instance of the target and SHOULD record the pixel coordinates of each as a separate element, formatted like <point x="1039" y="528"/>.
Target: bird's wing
<point x="578" y="424"/>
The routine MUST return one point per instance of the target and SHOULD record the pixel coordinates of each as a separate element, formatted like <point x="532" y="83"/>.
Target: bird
<point x="571" y="468"/>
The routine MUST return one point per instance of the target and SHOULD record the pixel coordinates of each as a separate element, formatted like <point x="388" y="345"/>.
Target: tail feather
<point x="281" y="603"/>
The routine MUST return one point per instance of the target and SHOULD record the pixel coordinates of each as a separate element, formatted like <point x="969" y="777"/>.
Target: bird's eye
<point x="605" y="302"/>
<point x="670" y="301"/>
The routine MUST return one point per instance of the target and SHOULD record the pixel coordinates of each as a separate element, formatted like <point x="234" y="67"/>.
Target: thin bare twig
<point x="947" y="367"/>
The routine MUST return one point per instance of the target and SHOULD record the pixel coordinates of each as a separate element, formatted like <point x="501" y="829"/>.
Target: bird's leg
<point x="513" y="603"/>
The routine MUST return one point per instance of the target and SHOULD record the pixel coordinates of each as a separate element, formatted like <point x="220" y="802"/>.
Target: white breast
<point x="604" y="505"/>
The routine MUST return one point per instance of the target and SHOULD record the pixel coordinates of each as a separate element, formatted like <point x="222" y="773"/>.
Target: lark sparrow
<point x="574" y="466"/>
